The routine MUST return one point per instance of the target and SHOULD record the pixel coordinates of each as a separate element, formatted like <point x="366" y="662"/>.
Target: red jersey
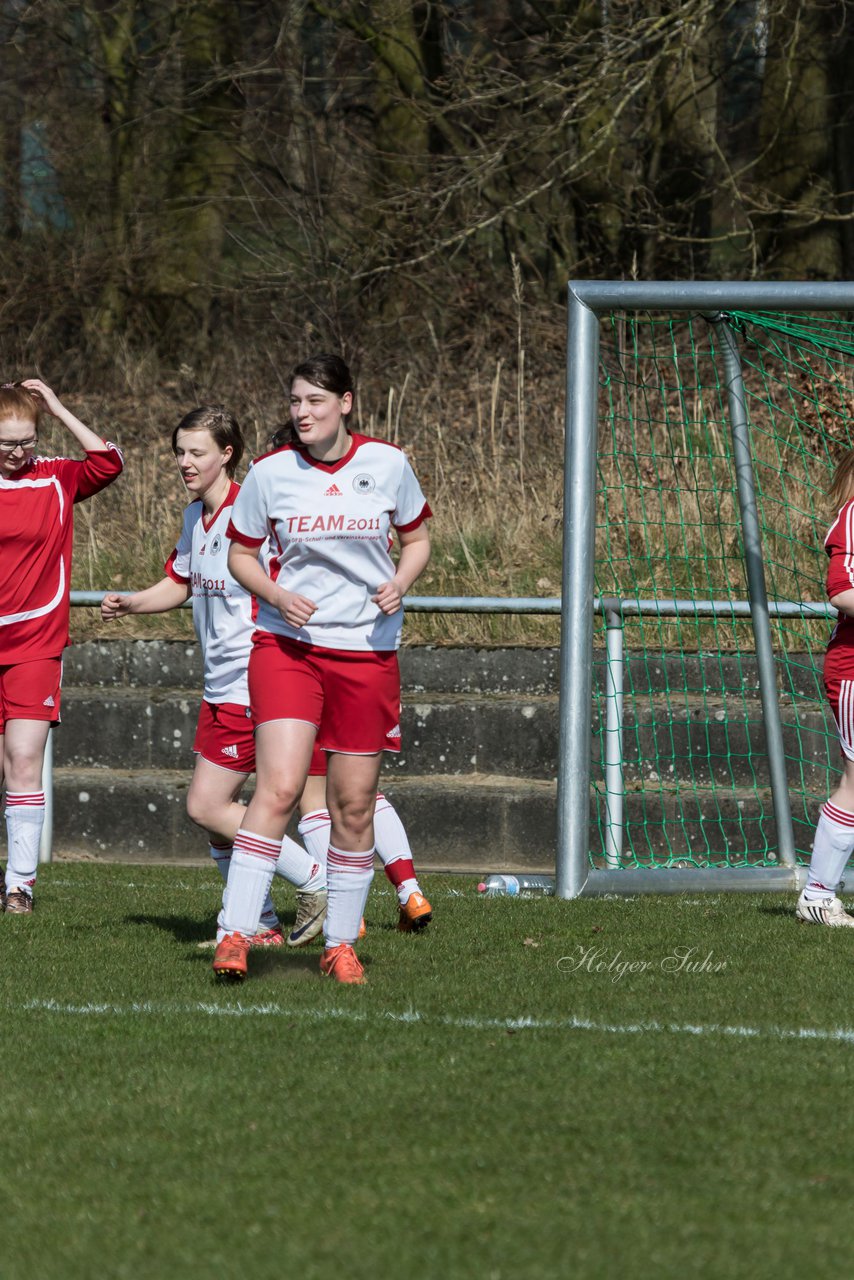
<point x="36" y="534"/>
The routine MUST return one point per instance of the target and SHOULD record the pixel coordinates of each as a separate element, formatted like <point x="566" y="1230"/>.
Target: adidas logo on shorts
<point x="230" y="751"/>
<point x="49" y="702"/>
<point x="394" y="733"/>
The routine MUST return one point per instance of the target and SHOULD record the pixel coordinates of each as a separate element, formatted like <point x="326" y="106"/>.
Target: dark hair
<point x="326" y="371"/>
<point x="283" y="433"/>
<point x="222" y="425"/>
<point x="18" y="402"/>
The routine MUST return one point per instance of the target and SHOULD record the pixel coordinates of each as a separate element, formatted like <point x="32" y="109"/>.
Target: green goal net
<point x="694" y="770"/>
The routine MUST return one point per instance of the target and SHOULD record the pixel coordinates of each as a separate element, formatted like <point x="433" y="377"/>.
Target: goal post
<point x="703" y="421"/>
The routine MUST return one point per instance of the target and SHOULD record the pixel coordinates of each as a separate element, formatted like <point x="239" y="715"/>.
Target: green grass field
<point x="651" y="1087"/>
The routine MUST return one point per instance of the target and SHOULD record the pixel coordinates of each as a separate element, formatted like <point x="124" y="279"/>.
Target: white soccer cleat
<point x="826" y="910"/>
<point x="311" y="912"/>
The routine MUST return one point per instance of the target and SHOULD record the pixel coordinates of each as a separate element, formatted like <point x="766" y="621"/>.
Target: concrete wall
<point x="475" y="781"/>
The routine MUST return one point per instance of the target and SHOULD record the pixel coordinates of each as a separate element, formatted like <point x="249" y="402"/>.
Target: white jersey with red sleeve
<point x="223" y="612"/>
<point x="329" y="527"/>
<point x="36" y="537"/>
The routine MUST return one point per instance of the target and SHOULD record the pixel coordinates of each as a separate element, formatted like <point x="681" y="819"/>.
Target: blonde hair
<point x="841" y="486"/>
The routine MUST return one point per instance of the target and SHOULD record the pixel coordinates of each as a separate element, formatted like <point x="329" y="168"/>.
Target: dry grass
<point x="483" y="426"/>
<point x="497" y="512"/>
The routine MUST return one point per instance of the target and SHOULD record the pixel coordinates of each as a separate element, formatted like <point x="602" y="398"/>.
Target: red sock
<point x="399" y="870"/>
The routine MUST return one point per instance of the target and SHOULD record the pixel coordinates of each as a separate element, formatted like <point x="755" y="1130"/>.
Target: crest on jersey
<point x="216" y="544"/>
<point x="364" y="483"/>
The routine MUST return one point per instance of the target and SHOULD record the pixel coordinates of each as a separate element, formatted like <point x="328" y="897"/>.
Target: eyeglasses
<point x="9" y="446"/>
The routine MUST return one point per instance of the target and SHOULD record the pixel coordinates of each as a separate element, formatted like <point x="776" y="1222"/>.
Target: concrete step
<point x="698" y="736"/>
<point x="136" y="815"/>
<point x="432" y="668"/>
<point x="444" y="734"/>
<point x="474" y="823"/>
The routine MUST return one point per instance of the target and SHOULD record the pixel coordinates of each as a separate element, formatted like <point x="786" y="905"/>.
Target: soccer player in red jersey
<point x="324" y="660"/>
<point x="37" y="497"/>
<point x="833" y="845"/>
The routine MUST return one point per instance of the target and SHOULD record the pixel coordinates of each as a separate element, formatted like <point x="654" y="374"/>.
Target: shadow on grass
<point x="779" y="910"/>
<point x="182" y="928"/>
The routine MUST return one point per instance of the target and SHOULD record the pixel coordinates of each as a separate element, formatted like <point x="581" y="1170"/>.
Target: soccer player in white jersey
<point x="819" y="902"/>
<point x="37" y="498"/>
<point x="392" y="843"/>
<point x="208" y="446"/>
<point x="324" y="659"/>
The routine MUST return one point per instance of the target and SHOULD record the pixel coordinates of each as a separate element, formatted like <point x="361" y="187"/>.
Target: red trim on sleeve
<point x="426" y="513"/>
<point x="234" y="535"/>
<point x="171" y="572"/>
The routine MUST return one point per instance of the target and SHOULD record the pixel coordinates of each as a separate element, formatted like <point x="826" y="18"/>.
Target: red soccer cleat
<point x="229" y="960"/>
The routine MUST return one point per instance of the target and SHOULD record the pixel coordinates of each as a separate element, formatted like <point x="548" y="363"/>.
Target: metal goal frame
<point x="588" y="300"/>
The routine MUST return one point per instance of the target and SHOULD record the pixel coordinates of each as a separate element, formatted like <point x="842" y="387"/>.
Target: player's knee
<point x="280" y="798"/>
<point x="199" y="812"/>
<point x="354" y="814"/>
<point x="23" y="770"/>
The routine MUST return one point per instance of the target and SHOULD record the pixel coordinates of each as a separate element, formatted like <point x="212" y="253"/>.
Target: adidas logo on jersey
<point x="49" y="702"/>
<point x="230" y="751"/>
<point x="332" y="492"/>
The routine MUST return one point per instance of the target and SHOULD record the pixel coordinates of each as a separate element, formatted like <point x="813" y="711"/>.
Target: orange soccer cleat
<point x="342" y="964"/>
<point x="229" y="960"/>
<point x="415" y="914"/>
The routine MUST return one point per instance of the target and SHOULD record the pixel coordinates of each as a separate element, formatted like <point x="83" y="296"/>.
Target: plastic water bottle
<point x="495" y="886"/>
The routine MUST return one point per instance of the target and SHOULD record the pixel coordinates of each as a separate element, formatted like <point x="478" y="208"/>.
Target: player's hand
<point x="42" y="390"/>
<point x="296" y="610"/>
<point x="114" y="606"/>
<point x="388" y="597"/>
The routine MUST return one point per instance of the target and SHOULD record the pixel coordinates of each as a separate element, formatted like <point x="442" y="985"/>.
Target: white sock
<point x="24" y="822"/>
<point x="249" y="877"/>
<point x="405" y="889"/>
<point x="314" y="831"/>
<point x="349" y="878"/>
<point x="221" y="854"/>
<point x="389" y="832"/>
<point x="294" y="864"/>
<point x="832" y="847"/>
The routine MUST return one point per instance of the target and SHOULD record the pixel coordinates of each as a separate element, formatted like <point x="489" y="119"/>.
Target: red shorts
<point x="352" y="695"/>
<point x="840" y="694"/>
<point x="225" y="735"/>
<point x="839" y="686"/>
<point x="30" y="691"/>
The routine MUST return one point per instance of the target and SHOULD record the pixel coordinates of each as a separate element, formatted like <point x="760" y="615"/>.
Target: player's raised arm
<point x="85" y="436"/>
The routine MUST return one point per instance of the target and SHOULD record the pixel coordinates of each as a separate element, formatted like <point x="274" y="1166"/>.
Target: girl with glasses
<point x="37" y="497"/>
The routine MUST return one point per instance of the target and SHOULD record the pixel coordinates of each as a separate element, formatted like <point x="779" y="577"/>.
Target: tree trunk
<point x="205" y="158"/>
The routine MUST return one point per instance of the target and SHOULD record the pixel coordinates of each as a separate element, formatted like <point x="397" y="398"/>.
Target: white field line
<point x="837" y="1035"/>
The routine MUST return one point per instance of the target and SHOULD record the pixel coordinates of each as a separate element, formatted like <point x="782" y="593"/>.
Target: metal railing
<point x="614" y="609"/>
